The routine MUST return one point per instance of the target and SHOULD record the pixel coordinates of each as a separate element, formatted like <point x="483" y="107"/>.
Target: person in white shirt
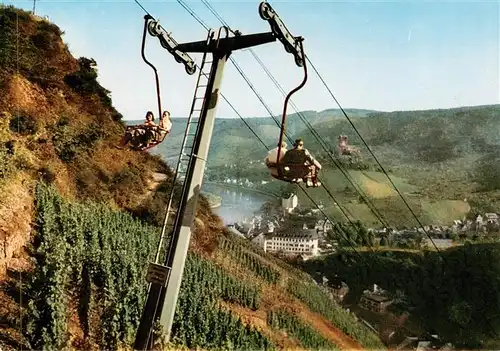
<point x="164" y="126"/>
<point x="165" y="122"/>
<point x="271" y="158"/>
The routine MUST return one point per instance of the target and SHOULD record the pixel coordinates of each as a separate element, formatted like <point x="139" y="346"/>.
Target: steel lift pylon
<point x="165" y="274"/>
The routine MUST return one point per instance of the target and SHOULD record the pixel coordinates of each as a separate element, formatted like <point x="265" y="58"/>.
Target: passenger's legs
<point x="273" y="169"/>
<point x="139" y="139"/>
<point x="125" y="140"/>
<point x="315" y="172"/>
<point x="310" y="176"/>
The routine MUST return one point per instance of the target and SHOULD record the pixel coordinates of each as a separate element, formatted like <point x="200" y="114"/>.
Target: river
<point x="237" y="203"/>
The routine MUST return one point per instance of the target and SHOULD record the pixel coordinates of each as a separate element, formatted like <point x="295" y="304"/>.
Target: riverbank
<point x="214" y="201"/>
<point x="239" y="187"/>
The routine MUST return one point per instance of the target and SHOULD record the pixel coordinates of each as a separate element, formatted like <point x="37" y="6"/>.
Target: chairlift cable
<point x="223" y="22"/>
<point x="290" y="140"/>
<point x="371" y="152"/>
<point x="366" y="145"/>
<point x="345" y="235"/>
<point x="191" y="11"/>
<point x="193" y="14"/>
<point x="323" y="144"/>
<point x="365" y="198"/>
<point x="142" y="7"/>
<point x="345" y="114"/>
<point x="345" y="211"/>
<point x="388" y="177"/>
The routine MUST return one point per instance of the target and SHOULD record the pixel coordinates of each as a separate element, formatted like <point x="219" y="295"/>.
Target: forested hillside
<point x="233" y="134"/>
<point x="443" y="155"/>
<point x="454" y="293"/>
<point x="445" y="162"/>
<point x="80" y="219"/>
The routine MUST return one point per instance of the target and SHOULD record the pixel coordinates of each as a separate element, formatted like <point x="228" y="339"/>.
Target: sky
<point x="380" y="55"/>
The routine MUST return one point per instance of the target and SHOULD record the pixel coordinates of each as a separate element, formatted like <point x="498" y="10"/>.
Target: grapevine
<point x="101" y="256"/>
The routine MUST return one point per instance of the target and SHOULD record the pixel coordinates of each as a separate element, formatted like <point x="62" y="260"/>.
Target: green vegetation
<point x="285" y="320"/>
<point x="318" y="301"/>
<point x="90" y="260"/>
<point x="354" y="234"/>
<point x="7" y="166"/>
<point x="250" y="261"/>
<point x="442" y="154"/>
<point x="68" y="143"/>
<point x="200" y="322"/>
<point x="454" y="293"/>
<point x="26" y="52"/>
<point x="97" y="217"/>
<point x="212" y="281"/>
<point x="84" y="81"/>
<point x="95" y="258"/>
<point x="14" y="157"/>
<point x="23" y="124"/>
<point x="84" y="250"/>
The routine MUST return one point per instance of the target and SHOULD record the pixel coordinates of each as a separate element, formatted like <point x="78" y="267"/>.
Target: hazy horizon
<point x="345" y="108"/>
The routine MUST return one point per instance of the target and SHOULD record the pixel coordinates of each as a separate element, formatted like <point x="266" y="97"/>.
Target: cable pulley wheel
<point x="152" y="29"/>
<point x="190" y="69"/>
<point x="264" y="10"/>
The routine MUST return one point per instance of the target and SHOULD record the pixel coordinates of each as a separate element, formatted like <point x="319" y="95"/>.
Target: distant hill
<point x="439" y="157"/>
<point x="233" y="134"/>
<point x="445" y="155"/>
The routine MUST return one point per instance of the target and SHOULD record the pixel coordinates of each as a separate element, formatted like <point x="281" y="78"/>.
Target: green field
<point x="385" y="199"/>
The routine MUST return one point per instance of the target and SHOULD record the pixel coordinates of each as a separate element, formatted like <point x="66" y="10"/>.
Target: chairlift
<point x="143" y="137"/>
<point x="295" y="165"/>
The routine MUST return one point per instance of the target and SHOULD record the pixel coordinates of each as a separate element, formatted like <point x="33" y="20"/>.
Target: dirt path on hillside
<point x="315" y="320"/>
<point x="274" y="297"/>
<point x="152" y="185"/>
<point x="328" y="330"/>
<point x="156" y="181"/>
<point x="258" y="319"/>
<point x="281" y="339"/>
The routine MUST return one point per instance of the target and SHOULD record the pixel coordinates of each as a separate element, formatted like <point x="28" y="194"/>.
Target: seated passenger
<point x="150" y="129"/>
<point x="271" y="158"/>
<point x="164" y="126"/>
<point x="140" y="135"/>
<point x="299" y="164"/>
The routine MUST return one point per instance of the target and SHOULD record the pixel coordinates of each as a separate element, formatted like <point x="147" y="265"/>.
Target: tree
<point x="488" y="172"/>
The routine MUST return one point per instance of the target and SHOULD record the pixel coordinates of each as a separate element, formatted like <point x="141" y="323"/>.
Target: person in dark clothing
<point x="140" y="135"/>
<point x="297" y="158"/>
